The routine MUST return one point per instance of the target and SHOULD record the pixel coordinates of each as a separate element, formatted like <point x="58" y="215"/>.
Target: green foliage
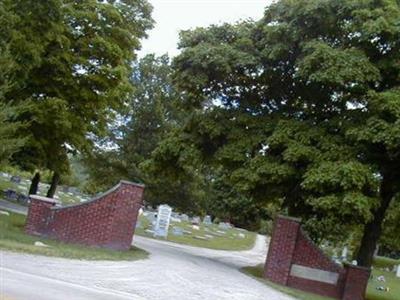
<point x="9" y="141"/>
<point x="72" y="64"/>
<point x="152" y="115"/>
<point x="299" y="110"/>
<point x="382" y="262"/>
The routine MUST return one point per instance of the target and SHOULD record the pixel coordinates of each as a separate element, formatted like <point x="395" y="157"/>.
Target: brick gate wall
<point x="294" y="260"/>
<point x="106" y="221"/>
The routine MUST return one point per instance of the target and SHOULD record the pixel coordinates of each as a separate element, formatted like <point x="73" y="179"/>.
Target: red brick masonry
<point x="106" y="221"/>
<point x="294" y="260"/>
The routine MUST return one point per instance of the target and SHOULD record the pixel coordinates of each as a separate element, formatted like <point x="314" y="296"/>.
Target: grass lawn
<point x="13" y="238"/>
<point x="231" y="240"/>
<point x="372" y="293"/>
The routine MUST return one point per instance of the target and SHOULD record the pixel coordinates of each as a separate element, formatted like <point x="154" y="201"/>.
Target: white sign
<point x="314" y="274"/>
<point x="398" y="271"/>
<point x="163" y="219"/>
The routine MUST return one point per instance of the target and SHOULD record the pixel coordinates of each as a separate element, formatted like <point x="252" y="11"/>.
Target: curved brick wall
<point x="106" y="221"/>
<point x="294" y="260"/>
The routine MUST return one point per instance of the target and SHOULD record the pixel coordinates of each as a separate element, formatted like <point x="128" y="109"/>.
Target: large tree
<point x="300" y="109"/>
<point x="73" y="64"/>
<point x="10" y="142"/>
<point x="152" y="112"/>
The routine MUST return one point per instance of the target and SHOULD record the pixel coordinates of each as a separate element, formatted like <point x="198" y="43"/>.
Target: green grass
<point x="392" y="282"/>
<point x="385" y="262"/>
<point x="372" y="293"/>
<point x="13" y="238"/>
<point x="229" y="241"/>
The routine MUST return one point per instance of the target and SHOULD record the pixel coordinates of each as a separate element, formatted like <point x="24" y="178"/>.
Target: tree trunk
<point x="33" y="189"/>
<point x="373" y="229"/>
<point x="53" y="186"/>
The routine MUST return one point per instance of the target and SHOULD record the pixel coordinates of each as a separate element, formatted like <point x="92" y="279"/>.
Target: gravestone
<point x="199" y="237"/>
<point x="344" y="253"/>
<point x="163" y="219"/>
<point x="184" y="217"/>
<point x="177" y="231"/>
<point x="175" y="219"/>
<point x="207" y="220"/>
<point x="24" y="200"/>
<point x="5" y="175"/>
<point x="224" y="226"/>
<point x="15" y="179"/>
<point x="398" y="271"/>
<point x="151" y="216"/>
<point x="11" y="195"/>
<point x="196" y="220"/>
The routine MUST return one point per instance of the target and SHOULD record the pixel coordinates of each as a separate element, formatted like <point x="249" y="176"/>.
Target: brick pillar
<point x="356" y="282"/>
<point x="38" y="213"/>
<point x="281" y="249"/>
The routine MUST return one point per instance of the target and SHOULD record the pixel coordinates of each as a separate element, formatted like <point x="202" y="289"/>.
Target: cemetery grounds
<point x="210" y="236"/>
<point x="201" y="235"/>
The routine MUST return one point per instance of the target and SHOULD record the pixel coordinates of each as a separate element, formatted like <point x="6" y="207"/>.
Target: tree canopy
<point x="300" y="109"/>
<point x="72" y="63"/>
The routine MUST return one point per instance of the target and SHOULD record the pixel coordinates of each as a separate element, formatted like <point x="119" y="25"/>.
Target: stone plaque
<point x="314" y="274"/>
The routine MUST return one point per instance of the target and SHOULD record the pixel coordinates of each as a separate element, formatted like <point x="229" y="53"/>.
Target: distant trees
<point x="72" y="65"/>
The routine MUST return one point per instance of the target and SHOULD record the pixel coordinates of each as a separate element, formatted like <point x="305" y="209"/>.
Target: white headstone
<point x="184" y="217"/>
<point x="177" y="231"/>
<point x="163" y="219"/>
<point x="224" y="226"/>
<point x="398" y="271"/>
<point x="207" y="220"/>
<point x="196" y="220"/>
<point x="344" y="253"/>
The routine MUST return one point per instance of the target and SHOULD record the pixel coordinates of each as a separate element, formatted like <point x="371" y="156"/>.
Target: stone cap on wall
<point x="298" y="220"/>
<point x="132" y="183"/>
<point x="102" y="195"/>
<point x="44" y="199"/>
<point x="350" y="265"/>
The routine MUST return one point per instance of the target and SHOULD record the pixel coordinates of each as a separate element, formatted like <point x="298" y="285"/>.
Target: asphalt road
<point x="172" y="272"/>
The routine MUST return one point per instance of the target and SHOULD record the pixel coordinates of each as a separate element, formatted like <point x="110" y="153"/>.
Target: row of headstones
<point x="163" y="217"/>
<point x="343" y="257"/>
<point x="14" y="195"/>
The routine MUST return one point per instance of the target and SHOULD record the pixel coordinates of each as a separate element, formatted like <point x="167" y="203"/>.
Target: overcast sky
<point x="171" y="16"/>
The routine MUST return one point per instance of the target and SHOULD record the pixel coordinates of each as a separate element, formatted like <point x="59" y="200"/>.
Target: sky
<point x="171" y="16"/>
